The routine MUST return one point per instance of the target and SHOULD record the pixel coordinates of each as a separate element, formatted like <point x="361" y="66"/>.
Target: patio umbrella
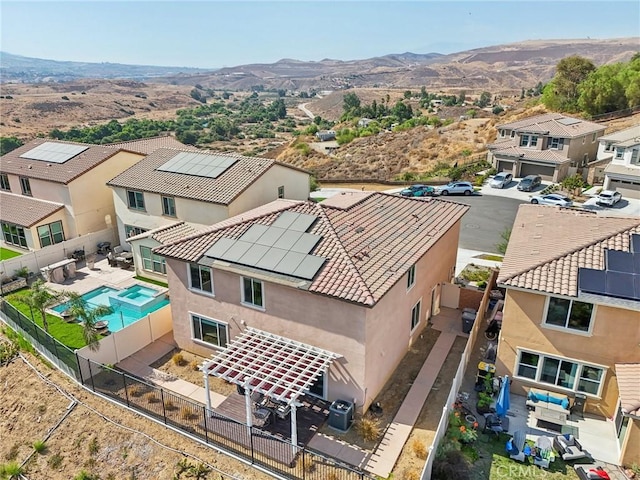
<point x="503" y="404"/>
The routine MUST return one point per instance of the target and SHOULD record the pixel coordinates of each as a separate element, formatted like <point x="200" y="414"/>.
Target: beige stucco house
<point x="53" y="191"/>
<point x="621" y="153"/>
<point x="550" y="145"/>
<point x="357" y="275"/>
<point x="172" y="187"/>
<point x="572" y="313"/>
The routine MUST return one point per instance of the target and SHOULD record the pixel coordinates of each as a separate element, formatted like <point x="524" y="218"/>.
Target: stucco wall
<point x="314" y="319"/>
<point x="614" y="339"/>
<point x="32" y="234"/>
<point x="631" y="446"/>
<point x="137" y="259"/>
<point x="577" y="149"/>
<point x="92" y="200"/>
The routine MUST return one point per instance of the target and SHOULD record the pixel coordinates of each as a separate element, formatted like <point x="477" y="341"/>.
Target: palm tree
<point x="40" y="297"/>
<point x="89" y="316"/>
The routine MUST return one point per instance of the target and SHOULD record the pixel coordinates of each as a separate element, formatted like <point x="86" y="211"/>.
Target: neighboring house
<point x="621" y="151"/>
<point x="364" y="122"/>
<point x="550" y="145"/>
<point x="54" y="191"/>
<point x="572" y="312"/>
<point x="326" y="135"/>
<point x="358" y="275"/>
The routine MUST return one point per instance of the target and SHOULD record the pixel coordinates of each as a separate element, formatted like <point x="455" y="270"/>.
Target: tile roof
<point x="623" y="135"/>
<point x="628" y="377"/>
<point x="369" y="245"/>
<point x="549" y="244"/>
<point x="147" y="146"/>
<point x="25" y="211"/>
<point x="223" y="190"/>
<point x="511" y="149"/>
<point x="615" y="169"/>
<point x="54" y="172"/>
<point x="167" y="233"/>
<point x="551" y="124"/>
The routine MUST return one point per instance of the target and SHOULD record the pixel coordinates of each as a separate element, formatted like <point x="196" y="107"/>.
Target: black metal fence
<point x="261" y="448"/>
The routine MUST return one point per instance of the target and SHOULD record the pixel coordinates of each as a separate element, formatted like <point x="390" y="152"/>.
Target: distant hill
<point x="16" y="68"/>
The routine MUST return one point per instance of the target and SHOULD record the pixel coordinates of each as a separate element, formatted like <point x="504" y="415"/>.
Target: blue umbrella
<point x="503" y="403"/>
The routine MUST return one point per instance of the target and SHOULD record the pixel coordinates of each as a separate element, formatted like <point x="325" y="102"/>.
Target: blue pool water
<point x="128" y="305"/>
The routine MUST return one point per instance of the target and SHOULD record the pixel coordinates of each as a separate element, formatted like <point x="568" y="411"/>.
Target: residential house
<point x="621" y="152"/>
<point x="53" y="191"/>
<point x="326" y="135"/>
<point x="357" y="275"/>
<point x="199" y="188"/>
<point x="550" y="145"/>
<point x="364" y="122"/>
<point x="571" y="320"/>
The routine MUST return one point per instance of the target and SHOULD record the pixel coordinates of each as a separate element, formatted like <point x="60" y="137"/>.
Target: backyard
<point x="6" y="254"/>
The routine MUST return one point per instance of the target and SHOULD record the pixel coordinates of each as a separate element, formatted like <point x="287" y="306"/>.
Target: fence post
<point x="253" y="459"/>
<point x="91" y="375"/>
<point x="126" y="393"/>
<point x="79" y="367"/>
<point x="164" y="410"/>
<point x="204" y="417"/>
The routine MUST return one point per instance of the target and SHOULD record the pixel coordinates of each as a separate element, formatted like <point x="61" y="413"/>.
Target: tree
<point x="407" y="94"/>
<point x="89" y="316"/>
<point x="462" y="97"/>
<point x="351" y="104"/>
<point x="602" y="91"/>
<point x="502" y="245"/>
<point x="39" y="297"/>
<point x="484" y="100"/>
<point x="9" y="143"/>
<point x="562" y="93"/>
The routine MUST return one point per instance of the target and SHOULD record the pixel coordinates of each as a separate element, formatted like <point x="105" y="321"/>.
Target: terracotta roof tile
<point x="167" y="233"/>
<point x="25" y="211"/>
<point x="628" y="377"/>
<point x="511" y="149"/>
<point x="144" y="176"/>
<point x="549" y="244"/>
<point x="147" y="146"/>
<point x="55" y="172"/>
<point x="369" y="245"/>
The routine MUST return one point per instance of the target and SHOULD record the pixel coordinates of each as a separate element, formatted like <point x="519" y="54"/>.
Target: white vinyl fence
<point x="478" y="324"/>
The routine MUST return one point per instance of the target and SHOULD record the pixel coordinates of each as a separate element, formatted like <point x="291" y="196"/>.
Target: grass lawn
<point x="70" y="334"/>
<point x="152" y="281"/>
<point x="6" y="254"/>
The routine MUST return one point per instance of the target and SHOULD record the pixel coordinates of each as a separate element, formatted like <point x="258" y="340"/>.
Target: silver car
<point x="552" y="199"/>
<point x="452" y="188"/>
<point x="608" y="197"/>
<point x="501" y="180"/>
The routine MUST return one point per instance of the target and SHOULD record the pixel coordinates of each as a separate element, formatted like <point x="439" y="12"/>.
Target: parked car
<point x="451" y="188"/>
<point x="552" y="199"/>
<point x="608" y="197"/>
<point x="501" y="180"/>
<point x="529" y="183"/>
<point x="418" y="191"/>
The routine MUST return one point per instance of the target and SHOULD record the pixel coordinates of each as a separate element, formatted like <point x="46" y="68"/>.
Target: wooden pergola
<point x="276" y="367"/>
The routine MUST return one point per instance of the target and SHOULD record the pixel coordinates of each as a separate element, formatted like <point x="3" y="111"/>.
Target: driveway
<point x="511" y="191"/>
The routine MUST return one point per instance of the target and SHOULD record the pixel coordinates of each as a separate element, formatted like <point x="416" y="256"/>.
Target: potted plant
<point x="483" y="405"/>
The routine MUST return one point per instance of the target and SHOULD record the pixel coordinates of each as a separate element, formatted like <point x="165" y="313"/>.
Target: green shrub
<point x="40" y="446"/>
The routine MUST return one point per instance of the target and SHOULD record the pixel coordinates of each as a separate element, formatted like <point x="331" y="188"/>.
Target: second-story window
<point x="619" y="152"/>
<point x="528" y="140"/>
<point x="135" y="200"/>
<point x="569" y="314"/>
<point x="411" y="277"/>
<point x="594" y="138"/>
<point x="556" y="143"/>
<point x="281" y="191"/>
<point x="635" y="156"/>
<point x="252" y="292"/>
<point x="608" y="147"/>
<point x="169" y="206"/>
<point x="200" y="278"/>
<point x="50" y="234"/>
<point x="4" y="182"/>
<point x="25" y="185"/>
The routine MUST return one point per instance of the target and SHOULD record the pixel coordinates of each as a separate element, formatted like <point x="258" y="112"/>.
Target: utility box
<point x="468" y="317"/>
<point x="341" y="415"/>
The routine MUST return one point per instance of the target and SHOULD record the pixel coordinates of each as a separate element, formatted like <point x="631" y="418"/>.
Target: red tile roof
<point x="628" y="377"/>
<point x="549" y="244"/>
<point x="551" y="124"/>
<point x="369" y="245"/>
<point x="166" y="233"/>
<point x="510" y="148"/>
<point x="25" y="211"/>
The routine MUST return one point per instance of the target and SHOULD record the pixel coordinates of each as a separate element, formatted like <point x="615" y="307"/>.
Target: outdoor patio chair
<point x="569" y="448"/>
<point x="516" y="447"/>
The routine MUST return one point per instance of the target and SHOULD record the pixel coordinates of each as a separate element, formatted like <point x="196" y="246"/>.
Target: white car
<point x="501" y="180"/>
<point x="552" y="199"/>
<point x="455" y="187"/>
<point x="608" y="197"/>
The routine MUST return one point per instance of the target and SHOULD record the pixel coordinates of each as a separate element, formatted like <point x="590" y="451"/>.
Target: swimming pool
<point x="129" y="305"/>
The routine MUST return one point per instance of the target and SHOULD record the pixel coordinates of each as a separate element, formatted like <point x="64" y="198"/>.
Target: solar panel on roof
<point x="303" y="222"/>
<point x="285" y="219"/>
<point x="237" y="250"/>
<point x="619" y="261"/>
<point x="636" y="287"/>
<point x="305" y="243"/>
<point x="198" y="164"/>
<point x="309" y="266"/>
<point x="271" y="259"/>
<point x="218" y="249"/>
<point x="620" y="284"/>
<point x="635" y="243"/>
<point x="54" y="152"/>
<point x="568" y="121"/>
<point x="270" y="237"/>
<point x="255" y="232"/>
<point x="253" y="255"/>
<point x="290" y="262"/>
<point x="592" y="281"/>
<point x="288" y="239"/>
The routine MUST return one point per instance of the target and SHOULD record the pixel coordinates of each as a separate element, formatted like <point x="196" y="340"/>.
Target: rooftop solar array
<point x="54" y="152"/>
<point x="282" y="247"/>
<point x="568" y="121"/>
<point x="198" y="164"/>
<point x="621" y="277"/>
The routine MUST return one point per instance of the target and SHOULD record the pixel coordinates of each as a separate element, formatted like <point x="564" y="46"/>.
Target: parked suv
<point x="608" y="197"/>
<point x="529" y="183"/>
<point x="501" y="180"/>
<point x="455" y="187"/>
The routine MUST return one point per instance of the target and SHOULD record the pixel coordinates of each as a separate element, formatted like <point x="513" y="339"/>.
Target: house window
<point x="503" y="133"/>
<point x="252" y="293"/>
<point x="556" y="143"/>
<point x="585" y="159"/>
<point x="584" y="140"/>
<point x="25" y="185"/>
<point x="594" y="137"/>
<point x="4" y="182"/>
<point x="524" y="140"/>
<point x="635" y="157"/>
<point x="569" y="314"/>
<point x="136" y="200"/>
<point x="528" y="140"/>
<point x="619" y="152"/>
<point x="411" y="277"/>
<point x="415" y="316"/>
<point x="513" y="133"/>
<point x="50" y="234"/>
<point x="131" y="231"/>
<point x="608" y="147"/>
<point x="200" y="278"/>
<point x="560" y="372"/>
<point x="14" y="235"/>
<point x="209" y="331"/>
<point x="169" y="206"/>
<point x="281" y="191"/>
<point x="152" y="262"/>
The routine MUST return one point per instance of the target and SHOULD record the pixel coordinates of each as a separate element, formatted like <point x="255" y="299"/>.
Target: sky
<point x="213" y="34"/>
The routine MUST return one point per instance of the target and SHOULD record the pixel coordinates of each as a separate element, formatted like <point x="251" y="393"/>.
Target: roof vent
<point x="359" y="229"/>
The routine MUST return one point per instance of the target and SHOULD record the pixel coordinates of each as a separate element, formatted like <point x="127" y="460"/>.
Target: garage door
<point x="505" y="166"/>
<point x="627" y="189"/>
<point x="532" y="169"/>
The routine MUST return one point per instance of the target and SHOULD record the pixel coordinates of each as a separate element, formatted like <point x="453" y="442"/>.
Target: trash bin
<point x="468" y="317"/>
<point x="341" y="415"/>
